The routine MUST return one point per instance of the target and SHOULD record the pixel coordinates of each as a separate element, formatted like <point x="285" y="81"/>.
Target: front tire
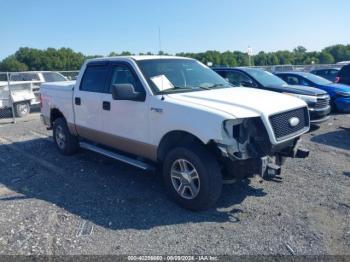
<point x="22" y="109"/>
<point x="192" y="177"/>
<point x="66" y="143"/>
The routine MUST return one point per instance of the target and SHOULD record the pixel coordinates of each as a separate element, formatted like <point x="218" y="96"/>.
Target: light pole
<point x="250" y="53"/>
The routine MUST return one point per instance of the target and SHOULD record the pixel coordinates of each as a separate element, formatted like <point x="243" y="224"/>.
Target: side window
<point x="122" y="74"/>
<point x="222" y="73"/>
<point x="322" y="72"/>
<point x="237" y="78"/>
<point x="303" y="82"/>
<point x="333" y="73"/>
<point x="94" y="79"/>
<point x="292" y="80"/>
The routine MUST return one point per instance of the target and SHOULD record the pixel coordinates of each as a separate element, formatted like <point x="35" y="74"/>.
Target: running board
<point x="122" y="158"/>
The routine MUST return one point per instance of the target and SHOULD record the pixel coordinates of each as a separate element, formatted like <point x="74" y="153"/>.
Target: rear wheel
<point x="192" y="177"/>
<point x="66" y="143"/>
<point x="22" y="109"/>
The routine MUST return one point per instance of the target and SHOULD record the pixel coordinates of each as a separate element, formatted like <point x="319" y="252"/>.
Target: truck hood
<point x="242" y="102"/>
<point x="295" y="89"/>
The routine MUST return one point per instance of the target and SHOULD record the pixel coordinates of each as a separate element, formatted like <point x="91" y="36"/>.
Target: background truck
<point x="23" y="90"/>
<point x="179" y="116"/>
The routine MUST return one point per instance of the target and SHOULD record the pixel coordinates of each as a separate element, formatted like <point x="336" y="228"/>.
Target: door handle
<point x="77" y="101"/>
<point x="106" y="105"/>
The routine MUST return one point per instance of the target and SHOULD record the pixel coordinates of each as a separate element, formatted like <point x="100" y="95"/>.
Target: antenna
<point x="159" y="53"/>
<point x="159" y="41"/>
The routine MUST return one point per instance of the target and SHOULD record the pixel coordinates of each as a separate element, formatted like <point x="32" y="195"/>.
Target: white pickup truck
<point x="177" y="114"/>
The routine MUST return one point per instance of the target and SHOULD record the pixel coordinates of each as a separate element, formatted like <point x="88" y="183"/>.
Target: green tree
<point x="300" y="49"/>
<point x="339" y="52"/>
<point x="11" y="64"/>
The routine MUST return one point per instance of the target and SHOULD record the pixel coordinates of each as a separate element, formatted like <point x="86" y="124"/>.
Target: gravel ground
<point x="88" y="204"/>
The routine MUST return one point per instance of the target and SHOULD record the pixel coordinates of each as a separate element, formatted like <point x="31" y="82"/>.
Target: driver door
<point x="126" y="123"/>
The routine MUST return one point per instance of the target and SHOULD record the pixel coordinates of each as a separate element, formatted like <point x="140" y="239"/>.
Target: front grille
<point x="322" y="102"/>
<point x="283" y="129"/>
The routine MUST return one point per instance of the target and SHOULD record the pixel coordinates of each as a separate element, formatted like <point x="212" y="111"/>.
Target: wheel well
<point x="55" y="114"/>
<point x="174" y="139"/>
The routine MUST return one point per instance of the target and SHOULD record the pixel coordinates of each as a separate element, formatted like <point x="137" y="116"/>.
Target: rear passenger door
<point x="88" y="101"/>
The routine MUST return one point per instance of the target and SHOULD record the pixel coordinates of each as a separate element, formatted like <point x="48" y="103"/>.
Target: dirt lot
<point x="88" y="204"/>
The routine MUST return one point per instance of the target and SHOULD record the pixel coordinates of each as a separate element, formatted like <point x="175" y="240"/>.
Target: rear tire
<point x="192" y="177"/>
<point x="66" y="143"/>
<point x="22" y="109"/>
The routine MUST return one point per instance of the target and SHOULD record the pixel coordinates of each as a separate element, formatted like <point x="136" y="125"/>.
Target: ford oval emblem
<point x="294" y="121"/>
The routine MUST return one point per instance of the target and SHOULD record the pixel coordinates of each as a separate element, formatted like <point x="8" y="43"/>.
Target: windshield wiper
<point x="217" y="86"/>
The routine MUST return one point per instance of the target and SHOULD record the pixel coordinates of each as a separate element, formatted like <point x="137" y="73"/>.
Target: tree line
<point x="67" y="59"/>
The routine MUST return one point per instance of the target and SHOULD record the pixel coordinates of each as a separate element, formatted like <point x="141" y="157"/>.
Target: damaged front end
<point x="246" y="149"/>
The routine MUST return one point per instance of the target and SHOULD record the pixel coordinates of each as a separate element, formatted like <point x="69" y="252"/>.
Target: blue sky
<point x="99" y="27"/>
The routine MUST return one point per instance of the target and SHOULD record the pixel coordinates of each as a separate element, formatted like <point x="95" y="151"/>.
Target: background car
<point x="317" y="100"/>
<point x="330" y="73"/>
<point x="343" y="76"/>
<point x="339" y="93"/>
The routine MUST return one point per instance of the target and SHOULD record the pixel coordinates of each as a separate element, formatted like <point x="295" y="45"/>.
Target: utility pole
<point x="250" y="53"/>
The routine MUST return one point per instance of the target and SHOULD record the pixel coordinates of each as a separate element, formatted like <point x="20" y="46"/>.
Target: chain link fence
<point x="300" y="68"/>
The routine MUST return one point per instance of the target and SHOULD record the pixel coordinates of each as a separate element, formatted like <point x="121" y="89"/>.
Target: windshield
<point x="265" y="78"/>
<point x="53" y="77"/>
<point x="180" y="75"/>
<point x="317" y="79"/>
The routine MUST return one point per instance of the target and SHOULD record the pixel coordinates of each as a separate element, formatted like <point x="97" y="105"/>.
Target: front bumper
<point x="319" y="115"/>
<point x="266" y="166"/>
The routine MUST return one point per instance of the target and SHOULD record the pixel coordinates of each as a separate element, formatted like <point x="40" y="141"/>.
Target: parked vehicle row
<point x="316" y="99"/>
<point x="330" y="74"/>
<point x="339" y="93"/>
<point x="178" y="115"/>
<point x="336" y="75"/>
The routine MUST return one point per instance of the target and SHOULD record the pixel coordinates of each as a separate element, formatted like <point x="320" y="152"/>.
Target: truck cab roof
<point x="136" y="58"/>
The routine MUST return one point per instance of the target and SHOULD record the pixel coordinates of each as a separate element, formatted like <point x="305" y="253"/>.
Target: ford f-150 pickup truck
<point x="175" y="115"/>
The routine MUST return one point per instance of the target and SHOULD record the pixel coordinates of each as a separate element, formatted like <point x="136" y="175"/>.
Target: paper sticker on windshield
<point x="162" y="82"/>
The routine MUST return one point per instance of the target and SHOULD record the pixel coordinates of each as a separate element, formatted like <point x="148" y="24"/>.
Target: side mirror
<point x="127" y="92"/>
<point x="248" y="84"/>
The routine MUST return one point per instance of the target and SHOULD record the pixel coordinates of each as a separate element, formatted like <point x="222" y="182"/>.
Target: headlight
<point x="340" y="93"/>
<point x="307" y="99"/>
<point x="229" y="124"/>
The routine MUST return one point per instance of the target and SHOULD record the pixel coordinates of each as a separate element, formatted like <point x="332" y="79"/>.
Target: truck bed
<point x="58" y="95"/>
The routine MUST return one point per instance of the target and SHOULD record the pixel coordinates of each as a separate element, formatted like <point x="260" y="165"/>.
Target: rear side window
<point x="345" y="71"/>
<point x="94" y="79"/>
<point x="333" y="72"/>
<point x="318" y="72"/>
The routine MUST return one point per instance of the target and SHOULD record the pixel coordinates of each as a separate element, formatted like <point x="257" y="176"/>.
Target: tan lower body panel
<point x="127" y="145"/>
